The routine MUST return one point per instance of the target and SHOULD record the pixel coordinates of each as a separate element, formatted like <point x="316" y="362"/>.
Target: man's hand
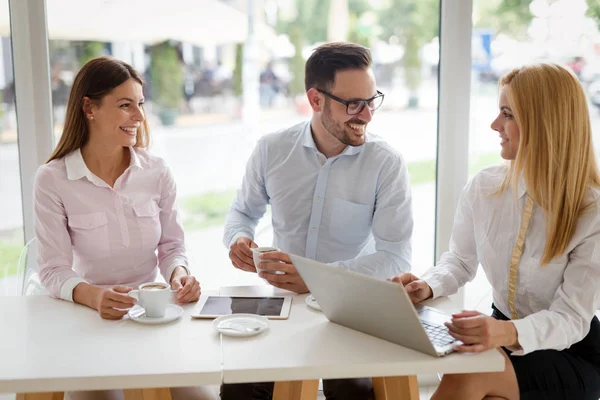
<point x="279" y="261"/>
<point x="241" y="255"/>
<point x="417" y="289"/>
<point x="480" y="332"/>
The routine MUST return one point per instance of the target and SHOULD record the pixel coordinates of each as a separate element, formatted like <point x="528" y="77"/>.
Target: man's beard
<point x="339" y="129"/>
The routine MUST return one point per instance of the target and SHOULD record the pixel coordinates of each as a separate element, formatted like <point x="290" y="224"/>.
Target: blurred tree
<point x="309" y="26"/>
<point x="238" y="87"/>
<point x="297" y="62"/>
<point x="166" y="75"/>
<point x="594" y="10"/>
<point x="511" y="17"/>
<point x="89" y="50"/>
<point x="412" y="24"/>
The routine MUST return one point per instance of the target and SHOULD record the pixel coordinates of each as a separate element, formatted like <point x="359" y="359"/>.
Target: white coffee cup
<point x="153" y="297"/>
<point x="256" y="252"/>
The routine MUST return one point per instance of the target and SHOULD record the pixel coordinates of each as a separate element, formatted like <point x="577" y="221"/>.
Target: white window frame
<point x="33" y="96"/>
<point x="35" y="125"/>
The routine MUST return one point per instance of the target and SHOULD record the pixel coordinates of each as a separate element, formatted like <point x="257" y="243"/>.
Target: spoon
<point x="242" y="330"/>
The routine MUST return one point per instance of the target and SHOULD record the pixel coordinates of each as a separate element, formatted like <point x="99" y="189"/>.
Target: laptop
<point x="376" y="307"/>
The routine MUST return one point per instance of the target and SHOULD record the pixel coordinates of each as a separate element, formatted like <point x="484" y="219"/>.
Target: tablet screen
<point x="219" y="305"/>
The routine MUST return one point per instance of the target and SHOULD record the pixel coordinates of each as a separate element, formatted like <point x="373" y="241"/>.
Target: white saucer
<point x="173" y="312"/>
<point x="242" y="325"/>
<point x="312" y="303"/>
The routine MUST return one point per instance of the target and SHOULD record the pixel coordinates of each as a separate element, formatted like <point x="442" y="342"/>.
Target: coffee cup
<point x="153" y="297"/>
<point x="256" y="252"/>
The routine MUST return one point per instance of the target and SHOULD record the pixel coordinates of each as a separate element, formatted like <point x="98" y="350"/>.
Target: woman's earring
<point x="91" y="117"/>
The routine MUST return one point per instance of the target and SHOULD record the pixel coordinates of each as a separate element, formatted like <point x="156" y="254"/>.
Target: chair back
<point x="28" y="278"/>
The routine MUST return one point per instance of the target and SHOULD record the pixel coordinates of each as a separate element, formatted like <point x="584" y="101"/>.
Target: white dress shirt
<point x="556" y="302"/>
<point x="328" y="209"/>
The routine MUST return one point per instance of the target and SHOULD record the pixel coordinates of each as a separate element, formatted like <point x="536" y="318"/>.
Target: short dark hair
<point x="330" y="58"/>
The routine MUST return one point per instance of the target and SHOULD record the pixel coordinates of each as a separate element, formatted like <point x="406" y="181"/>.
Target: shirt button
<point x="318" y="199"/>
<point x="314" y="230"/>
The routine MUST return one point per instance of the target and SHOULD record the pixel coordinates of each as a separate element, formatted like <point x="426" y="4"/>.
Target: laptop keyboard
<point x="438" y="334"/>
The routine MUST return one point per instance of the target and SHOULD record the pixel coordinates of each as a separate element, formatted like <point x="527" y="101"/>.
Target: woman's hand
<point x="111" y="303"/>
<point x="480" y="332"/>
<point x="417" y="289"/>
<point x="187" y="287"/>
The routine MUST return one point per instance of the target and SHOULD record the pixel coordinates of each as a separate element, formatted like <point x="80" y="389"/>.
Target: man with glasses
<point x="338" y="194"/>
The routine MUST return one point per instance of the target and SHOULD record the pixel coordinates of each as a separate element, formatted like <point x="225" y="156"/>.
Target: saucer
<point x="241" y="325"/>
<point x="173" y="312"/>
<point x="312" y="303"/>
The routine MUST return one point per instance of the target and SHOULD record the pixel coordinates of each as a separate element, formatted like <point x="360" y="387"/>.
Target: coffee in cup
<point x="153" y="286"/>
<point x="256" y="252"/>
<point x="153" y="297"/>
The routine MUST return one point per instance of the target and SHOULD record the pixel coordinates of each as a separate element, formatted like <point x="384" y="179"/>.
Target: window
<point x="11" y="213"/>
<point x="213" y="92"/>
<point x="507" y="35"/>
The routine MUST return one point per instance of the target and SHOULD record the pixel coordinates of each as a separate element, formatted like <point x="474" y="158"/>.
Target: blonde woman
<point x="534" y="226"/>
<point x="106" y="219"/>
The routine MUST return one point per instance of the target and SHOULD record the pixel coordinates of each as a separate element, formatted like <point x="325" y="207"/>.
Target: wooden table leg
<point x="396" y="388"/>
<point x="147" y="394"/>
<point x="41" y="396"/>
<point x="296" y="390"/>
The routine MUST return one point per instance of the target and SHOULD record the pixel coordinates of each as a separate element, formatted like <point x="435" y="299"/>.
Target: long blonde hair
<point x="555" y="155"/>
<point x="97" y="78"/>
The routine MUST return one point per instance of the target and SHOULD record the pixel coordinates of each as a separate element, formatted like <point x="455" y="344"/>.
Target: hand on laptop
<point x="290" y="280"/>
<point x="417" y="289"/>
<point x="241" y="255"/>
<point x="480" y="332"/>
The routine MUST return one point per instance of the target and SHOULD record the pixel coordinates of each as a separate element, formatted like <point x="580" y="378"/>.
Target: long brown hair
<point x="97" y="78"/>
<point x="555" y="155"/>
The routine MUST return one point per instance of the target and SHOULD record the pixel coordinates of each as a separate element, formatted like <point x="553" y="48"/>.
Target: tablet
<point x="273" y="307"/>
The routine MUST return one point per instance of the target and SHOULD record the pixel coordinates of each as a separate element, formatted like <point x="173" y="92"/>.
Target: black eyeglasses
<point x="354" y="107"/>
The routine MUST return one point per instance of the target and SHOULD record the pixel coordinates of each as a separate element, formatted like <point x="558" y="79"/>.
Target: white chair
<point x="28" y="278"/>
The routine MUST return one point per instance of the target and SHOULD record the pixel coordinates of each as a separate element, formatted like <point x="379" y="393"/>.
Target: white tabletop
<point x="54" y="345"/>
<point x="308" y="346"/>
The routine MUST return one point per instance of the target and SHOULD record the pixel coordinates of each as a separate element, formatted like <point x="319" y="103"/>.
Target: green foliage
<point x="166" y="76"/>
<point x="9" y="258"/>
<point x="238" y="86"/>
<point x="89" y="50"/>
<point x="309" y="26"/>
<point x="414" y="23"/>
<point x="511" y="17"/>
<point x="297" y="63"/>
<point x="207" y="209"/>
<point x="593" y="10"/>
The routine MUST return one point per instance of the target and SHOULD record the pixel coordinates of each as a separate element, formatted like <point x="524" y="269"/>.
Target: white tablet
<point x="273" y="307"/>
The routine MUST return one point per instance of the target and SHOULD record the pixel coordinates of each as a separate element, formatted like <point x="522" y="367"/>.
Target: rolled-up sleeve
<point x="568" y="319"/>
<point x="171" y="247"/>
<point x="54" y="249"/>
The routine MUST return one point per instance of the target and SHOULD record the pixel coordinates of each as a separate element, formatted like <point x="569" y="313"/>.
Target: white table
<point x="307" y="347"/>
<point x="49" y="345"/>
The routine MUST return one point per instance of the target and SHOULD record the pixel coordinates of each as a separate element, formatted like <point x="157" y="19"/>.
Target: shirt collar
<point x="309" y="141"/>
<point x="135" y="160"/>
<point x="76" y="168"/>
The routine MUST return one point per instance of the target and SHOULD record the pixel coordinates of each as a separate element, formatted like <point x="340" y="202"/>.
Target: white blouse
<point x="556" y="302"/>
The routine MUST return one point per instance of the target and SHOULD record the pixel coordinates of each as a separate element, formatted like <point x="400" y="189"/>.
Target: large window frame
<point x="34" y="105"/>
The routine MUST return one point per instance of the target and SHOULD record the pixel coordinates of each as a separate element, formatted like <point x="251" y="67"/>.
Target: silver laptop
<point x="375" y="307"/>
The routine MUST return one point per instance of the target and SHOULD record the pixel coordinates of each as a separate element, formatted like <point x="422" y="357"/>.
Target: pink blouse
<point x="90" y="232"/>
